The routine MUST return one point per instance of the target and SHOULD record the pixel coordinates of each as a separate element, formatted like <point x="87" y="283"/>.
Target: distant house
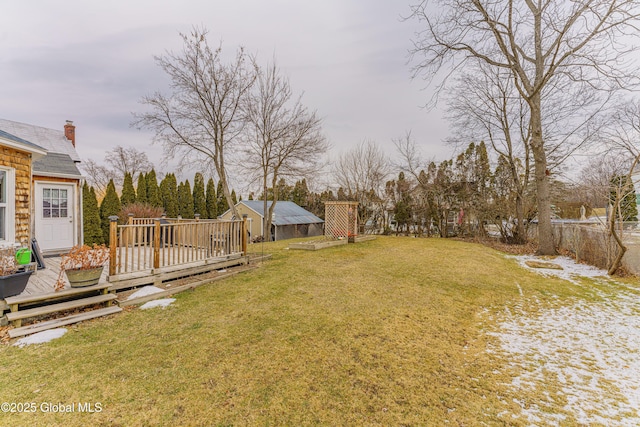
<point x="40" y="186"/>
<point x="289" y="220"/>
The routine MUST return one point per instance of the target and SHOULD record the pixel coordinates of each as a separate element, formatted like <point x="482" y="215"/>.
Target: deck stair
<point x="30" y="306"/>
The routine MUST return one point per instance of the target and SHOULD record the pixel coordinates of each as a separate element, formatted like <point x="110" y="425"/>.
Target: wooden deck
<point x="141" y="253"/>
<point x="44" y="281"/>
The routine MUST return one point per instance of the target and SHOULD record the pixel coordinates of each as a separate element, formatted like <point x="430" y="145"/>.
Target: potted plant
<point x="12" y="280"/>
<point x="83" y="265"/>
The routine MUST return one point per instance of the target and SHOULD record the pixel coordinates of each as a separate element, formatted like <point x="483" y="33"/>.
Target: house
<point x="289" y="220"/>
<point x="41" y="186"/>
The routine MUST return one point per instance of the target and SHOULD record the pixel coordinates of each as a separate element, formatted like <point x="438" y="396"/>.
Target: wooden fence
<point x="151" y="244"/>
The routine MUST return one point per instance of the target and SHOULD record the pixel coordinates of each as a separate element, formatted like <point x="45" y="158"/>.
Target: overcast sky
<point x="91" y="62"/>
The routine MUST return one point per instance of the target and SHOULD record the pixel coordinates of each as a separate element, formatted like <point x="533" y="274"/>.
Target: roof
<point x="52" y="140"/>
<point x="21" y="143"/>
<point x="286" y="213"/>
<point x="56" y="164"/>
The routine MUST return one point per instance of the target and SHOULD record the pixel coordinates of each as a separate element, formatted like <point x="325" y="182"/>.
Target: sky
<point x="92" y="62"/>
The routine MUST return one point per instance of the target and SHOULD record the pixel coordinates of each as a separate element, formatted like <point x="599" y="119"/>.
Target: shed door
<point x="55" y="222"/>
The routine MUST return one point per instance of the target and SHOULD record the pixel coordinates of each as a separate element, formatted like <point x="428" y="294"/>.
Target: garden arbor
<point x="341" y="220"/>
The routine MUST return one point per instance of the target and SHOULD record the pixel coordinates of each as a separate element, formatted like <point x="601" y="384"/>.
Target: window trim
<point x="10" y="205"/>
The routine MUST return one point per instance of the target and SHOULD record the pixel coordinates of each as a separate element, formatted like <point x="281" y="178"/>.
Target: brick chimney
<point x="70" y="132"/>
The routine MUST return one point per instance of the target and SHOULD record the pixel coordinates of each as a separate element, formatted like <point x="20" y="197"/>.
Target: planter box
<point x="317" y="245"/>
<point x="82" y="278"/>
<point x="14" y="284"/>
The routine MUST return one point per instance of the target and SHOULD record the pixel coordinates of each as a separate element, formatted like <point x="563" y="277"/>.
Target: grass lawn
<point x="386" y="332"/>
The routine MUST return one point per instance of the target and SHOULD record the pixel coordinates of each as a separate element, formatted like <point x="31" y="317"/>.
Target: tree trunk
<point x="622" y="249"/>
<point x="520" y="237"/>
<point x="225" y="190"/>
<point x="546" y="244"/>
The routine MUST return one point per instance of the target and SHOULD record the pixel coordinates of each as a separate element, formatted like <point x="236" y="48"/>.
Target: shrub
<point x="140" y="210"/>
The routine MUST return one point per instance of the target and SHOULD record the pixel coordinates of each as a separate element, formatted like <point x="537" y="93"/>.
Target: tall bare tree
<point x="98" y="176"/>
<point x="362" y="173"/>
<point x="129" y="160"/>
<point x="283" y="139"/>
<point x="485" y="105"/>
<point x="624" y="136"/>
<point x="546" y="46"/>
<point x="202" y="119"/>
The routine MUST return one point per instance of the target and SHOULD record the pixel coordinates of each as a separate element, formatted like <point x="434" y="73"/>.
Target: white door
<point x="55" y="222"/>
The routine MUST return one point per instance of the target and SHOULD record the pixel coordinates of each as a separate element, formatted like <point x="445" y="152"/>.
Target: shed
<point x="289" y="221"/>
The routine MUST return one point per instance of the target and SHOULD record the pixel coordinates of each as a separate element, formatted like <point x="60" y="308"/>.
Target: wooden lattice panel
<point x="341" y="219"/>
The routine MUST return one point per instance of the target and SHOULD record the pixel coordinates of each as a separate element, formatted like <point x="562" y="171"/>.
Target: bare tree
<point x="284" y="139"/>
<point x="594" y="181"/>
<point x="118" y="161"/>
<point x="362" y="173"/>
<point x="624" y="136"/>
<point x="485" y="105"/>
<point x="97" y="176"/>
<point x="545" y="45"/>
<point x="127" y="160"/>
<point x="201" y="120"/>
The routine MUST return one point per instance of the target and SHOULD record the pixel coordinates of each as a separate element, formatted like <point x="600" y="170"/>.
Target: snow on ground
<point x="158" y="303"/>
<point x="143" y="292"/>
<point x="571" y="270"/>
<point x="591" y="349"/>
<point x="41" y="337"/>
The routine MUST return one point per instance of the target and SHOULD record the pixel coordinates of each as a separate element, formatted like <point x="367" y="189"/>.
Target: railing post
<point x="156" y="243"/>
<point x="113" y="243"/>
<point x="244" y="234"/>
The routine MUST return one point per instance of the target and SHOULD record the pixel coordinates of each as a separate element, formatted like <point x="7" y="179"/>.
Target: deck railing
<point x="145" y="244"/>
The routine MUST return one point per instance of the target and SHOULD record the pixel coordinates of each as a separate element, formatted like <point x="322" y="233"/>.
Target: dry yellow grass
<point x="387" y="332"/>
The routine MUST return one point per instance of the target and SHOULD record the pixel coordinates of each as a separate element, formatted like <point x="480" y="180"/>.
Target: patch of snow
<point x="571" y="270"/>
<point x="222" y="271"/>
<point x="590" y="349"/>
<point x="158" y="303"/>
<point x="143" y="292"/>
<point x="41" y="337"/>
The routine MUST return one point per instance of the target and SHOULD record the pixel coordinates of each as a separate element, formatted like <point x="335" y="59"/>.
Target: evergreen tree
<point x="221" y="202"/>
<point x="185" y="200"/>
<point x="251" y="196"/>
<point x="153" y="192"/>
<point x="128" y="192"/>
<point x="110" y="206"/>
<point x="199" y="198"/>
<point x="169" y="195"/>
<point x="212" y="207"/>
<point x="234" y="197"/>
<point x="91" y="224"/>
<point x="300" y="193"/>
<point x="141" y="192"/>
<point x="622" y="191"/>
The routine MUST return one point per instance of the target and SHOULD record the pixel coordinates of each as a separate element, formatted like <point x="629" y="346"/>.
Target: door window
<point x="55" y="203"/>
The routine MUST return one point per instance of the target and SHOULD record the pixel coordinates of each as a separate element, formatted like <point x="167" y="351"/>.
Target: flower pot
<point x="81" y="278"/>
<point x="14" y="284"/>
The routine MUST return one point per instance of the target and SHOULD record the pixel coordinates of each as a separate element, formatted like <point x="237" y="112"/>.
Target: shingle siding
<point x="21" y="162"/>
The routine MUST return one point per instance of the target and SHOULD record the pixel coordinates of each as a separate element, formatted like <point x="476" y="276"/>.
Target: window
<point x="54" y="203"/>
<point x="7" y="229"/>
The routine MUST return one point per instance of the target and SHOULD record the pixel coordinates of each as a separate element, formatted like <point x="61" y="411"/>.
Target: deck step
<point x="51" y="324"/>
<point x="52" y="308"/>
<point x="25" y="299"/>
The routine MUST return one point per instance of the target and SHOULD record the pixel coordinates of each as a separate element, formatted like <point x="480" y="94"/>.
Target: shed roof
<point x="52" y="140"/>
<point x="286" y="213"/>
